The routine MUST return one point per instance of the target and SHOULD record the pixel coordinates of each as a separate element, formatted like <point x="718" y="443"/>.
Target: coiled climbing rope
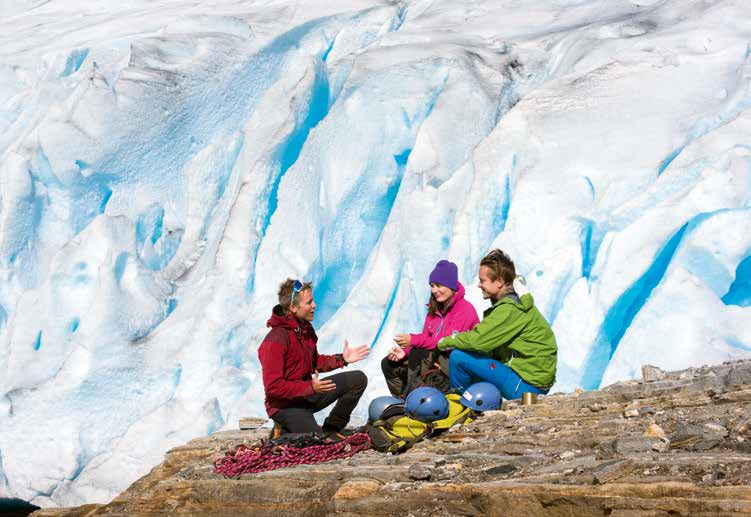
<point x="306" y="450"/>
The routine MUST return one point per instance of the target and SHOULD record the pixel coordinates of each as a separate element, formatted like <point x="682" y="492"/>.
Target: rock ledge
<point x="678" y="443"/>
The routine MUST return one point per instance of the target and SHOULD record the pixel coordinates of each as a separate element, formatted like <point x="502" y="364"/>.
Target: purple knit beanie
<point x="445" y="273"/>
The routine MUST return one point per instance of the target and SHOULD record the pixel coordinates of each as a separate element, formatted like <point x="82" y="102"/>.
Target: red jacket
<point x="289" y="357"/>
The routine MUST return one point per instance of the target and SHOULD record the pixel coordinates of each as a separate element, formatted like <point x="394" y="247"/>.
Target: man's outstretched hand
<point x="322" y="386"/>
<point x="352" y="355"/>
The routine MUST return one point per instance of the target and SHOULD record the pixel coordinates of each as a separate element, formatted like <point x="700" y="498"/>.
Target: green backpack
<point x="400" y="432"/>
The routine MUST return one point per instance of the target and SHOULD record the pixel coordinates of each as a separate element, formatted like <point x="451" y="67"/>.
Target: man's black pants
<point x="349" y="388"/>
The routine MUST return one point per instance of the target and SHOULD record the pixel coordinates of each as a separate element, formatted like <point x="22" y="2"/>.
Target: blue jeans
<point x="467" y="368"/>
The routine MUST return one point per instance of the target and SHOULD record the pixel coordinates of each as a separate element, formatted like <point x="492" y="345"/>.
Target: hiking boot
<point x="335" y="436"/>
<point x="338" y="435"/>
<point x="276" y="432"/>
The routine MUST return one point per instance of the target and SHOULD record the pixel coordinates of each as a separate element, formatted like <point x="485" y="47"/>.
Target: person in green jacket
<point x="513" y="347"/>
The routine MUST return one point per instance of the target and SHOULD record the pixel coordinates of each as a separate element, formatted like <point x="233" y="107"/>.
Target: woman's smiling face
<point x="441" y="293"/>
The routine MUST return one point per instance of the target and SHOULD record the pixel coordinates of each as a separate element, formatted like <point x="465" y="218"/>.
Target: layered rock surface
<point x="676" y="445"/>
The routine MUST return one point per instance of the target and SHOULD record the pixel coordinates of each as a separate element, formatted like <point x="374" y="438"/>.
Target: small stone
<point x="495" y="414"/>
<point x="744" y="426"/>
<point x="420" y="472"/>
<point x="651" y="373"/>
<point x="634" y="444"/>
<point x="596" y="407"/>
<point x="567" y="455"/>
<point x="631" y="412"/>
<point x="661" y="446"/>
<point x="655" y="431"/>
<point x="647" y="410"/>
<point x="605" y="451"/>
<point x="578" y="391"/>
<point x="714" y="430"/>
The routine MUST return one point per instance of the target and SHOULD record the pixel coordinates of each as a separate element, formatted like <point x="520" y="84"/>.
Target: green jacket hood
<point x="525" y="303"/>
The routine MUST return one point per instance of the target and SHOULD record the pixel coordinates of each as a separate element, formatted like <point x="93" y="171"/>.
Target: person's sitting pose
<point x="513" y="347"/>
<point x="290" y="363"/>
<point x="412" y="363"/>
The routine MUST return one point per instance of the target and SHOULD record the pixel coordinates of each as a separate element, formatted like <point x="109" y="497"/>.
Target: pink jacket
<point x="461" y="316"/>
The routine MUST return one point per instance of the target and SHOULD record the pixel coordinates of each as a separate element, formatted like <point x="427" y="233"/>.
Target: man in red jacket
<point x="290" y="363"/>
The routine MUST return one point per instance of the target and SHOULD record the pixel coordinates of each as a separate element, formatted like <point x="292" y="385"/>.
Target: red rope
<point x="248" y="460"/>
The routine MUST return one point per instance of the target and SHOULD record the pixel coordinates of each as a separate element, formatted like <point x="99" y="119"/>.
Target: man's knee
<point x="358" y="380"/>
<point x="296" y="420"/>
<point x="386" y="366"/>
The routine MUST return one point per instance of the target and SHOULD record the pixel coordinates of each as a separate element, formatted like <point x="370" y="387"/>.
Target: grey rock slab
<point x="246" y="423"/>
<point x="562" y="466"/>
<point x="612" y="470"/>
<point x="739" y="375"/>
<point x="501" y="469"/>
<point x="633" y="444"/>
<point x="647" y="410"/>
<point x="651" y="373"/>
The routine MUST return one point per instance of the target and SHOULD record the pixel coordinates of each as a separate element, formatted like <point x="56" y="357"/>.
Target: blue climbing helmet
<point x="427" y="404"/>
<point x="385" y="407"/>
<point x="482" y="396"/>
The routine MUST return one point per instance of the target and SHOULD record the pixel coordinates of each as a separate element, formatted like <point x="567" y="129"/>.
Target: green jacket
<point x="514" y="332"/>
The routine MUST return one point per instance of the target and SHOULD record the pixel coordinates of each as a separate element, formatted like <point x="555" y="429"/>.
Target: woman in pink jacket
<point x="413" y="362"/>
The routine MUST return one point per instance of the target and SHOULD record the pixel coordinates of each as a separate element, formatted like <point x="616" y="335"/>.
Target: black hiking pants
<point x="415" y="370"/>
<point x="299" y="419"/>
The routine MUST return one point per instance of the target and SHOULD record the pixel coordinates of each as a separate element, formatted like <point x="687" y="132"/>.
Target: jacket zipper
<point x="298" y="335"/>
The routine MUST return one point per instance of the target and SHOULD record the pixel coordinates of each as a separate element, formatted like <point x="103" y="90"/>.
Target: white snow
<point x="164" y="165"/>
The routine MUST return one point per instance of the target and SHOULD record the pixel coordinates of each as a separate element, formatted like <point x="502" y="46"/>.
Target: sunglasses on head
<point x="296" y="288"/>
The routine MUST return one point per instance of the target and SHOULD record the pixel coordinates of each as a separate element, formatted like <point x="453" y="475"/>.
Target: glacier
<point x="165" y="164"/>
